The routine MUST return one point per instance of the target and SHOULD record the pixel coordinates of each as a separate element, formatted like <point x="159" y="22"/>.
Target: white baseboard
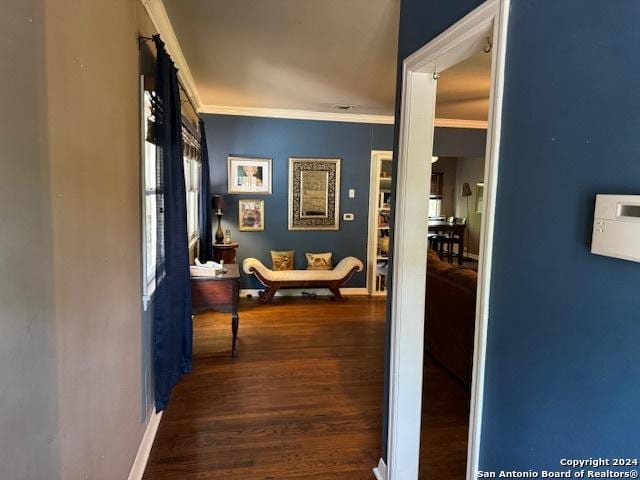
<point x="140" y="463"/>
<point x="380" y="472"/>
<point x="378" y="294"/>
<point x="297" y="292"/>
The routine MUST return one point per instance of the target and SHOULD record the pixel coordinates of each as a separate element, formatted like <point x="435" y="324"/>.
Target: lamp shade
<point x="466" y="190"/>
<point x="218" y="202"/>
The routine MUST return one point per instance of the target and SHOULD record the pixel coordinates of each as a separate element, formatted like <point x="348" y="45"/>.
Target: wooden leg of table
<point x="234" y="329"/>
<point x="461" y="250"/>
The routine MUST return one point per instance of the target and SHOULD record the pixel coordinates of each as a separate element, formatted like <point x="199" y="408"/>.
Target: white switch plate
<point x="348" y="217"/>
<point x="352" y="193"/>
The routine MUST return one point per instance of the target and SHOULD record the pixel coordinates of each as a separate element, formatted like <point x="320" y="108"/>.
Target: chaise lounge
<point x="275" y="280"/>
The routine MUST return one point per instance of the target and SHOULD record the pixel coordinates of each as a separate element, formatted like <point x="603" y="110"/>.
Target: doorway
<point x="452" y="271"/>
<point x="379" y="222"/>
<point x="420" y="77"/>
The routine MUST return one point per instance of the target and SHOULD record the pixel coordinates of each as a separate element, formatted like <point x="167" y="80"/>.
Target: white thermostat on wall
<point x="616" y="227"/>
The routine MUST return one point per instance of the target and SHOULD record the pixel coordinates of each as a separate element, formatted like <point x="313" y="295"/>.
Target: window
<point x="192" y="178"/>
<point x="150" y="196"/>
<point x="435" y="207"/>
<point x="435" y="197"/>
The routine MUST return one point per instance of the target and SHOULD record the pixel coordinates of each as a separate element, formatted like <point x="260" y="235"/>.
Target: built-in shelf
<point x="381" y="184"/>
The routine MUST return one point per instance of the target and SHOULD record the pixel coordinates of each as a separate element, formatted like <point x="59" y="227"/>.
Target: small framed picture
<point x="249" y="175"/>
<point x="251" y="215"/>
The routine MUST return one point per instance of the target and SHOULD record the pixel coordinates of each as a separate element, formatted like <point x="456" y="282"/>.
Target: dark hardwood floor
<point x="445" y="417"/>
<point x="302" y="401"/>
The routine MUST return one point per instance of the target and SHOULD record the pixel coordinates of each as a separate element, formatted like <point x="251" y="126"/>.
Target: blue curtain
<point x="172" y="327"/>
<point x="206" y="234"/>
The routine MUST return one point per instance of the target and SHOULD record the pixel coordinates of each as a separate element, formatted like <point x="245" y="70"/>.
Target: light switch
<point x="348" y="217"/>
<point x="352" y="193"/>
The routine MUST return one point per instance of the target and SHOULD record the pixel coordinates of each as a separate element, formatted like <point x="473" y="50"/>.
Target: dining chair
<point x="451" y="239"/>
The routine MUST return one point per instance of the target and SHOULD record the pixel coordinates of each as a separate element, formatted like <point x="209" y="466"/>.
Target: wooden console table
<point x="220" y="293"/>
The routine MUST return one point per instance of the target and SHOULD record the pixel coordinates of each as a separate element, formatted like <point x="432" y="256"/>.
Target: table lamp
<point x="218" y="204"/>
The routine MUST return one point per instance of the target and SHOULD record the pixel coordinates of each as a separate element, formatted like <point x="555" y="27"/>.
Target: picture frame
<point x="249" y="175"/>
<point x="251" y="215"/>
<point x="314" y="193"/>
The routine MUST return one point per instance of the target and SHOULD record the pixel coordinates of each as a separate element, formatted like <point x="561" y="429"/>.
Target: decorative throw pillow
<point x="282" y="260"/>
<point x="319" y="261"/>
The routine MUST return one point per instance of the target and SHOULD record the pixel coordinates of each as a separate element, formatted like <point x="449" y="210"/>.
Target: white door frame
<point x="456" y="44"/>
<point x="374" y="192"/>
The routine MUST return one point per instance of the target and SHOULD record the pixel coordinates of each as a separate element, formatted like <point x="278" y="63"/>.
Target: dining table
<point x="456" y="230"/>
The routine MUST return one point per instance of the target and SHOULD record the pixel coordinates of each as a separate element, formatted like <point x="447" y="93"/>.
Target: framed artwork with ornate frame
<point x="249" y="175"/>
<point x="314" y="193"/>
<point x="251" y="215"/>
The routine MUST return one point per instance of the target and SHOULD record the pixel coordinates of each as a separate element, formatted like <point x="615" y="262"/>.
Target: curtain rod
<point x="141" y="39"/>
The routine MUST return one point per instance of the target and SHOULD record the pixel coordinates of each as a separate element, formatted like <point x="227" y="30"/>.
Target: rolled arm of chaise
<point x="347" y="264"/>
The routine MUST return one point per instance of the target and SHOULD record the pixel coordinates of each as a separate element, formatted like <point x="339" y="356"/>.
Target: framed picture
<point x="251" y="215"/>
<point x="314" y="193"/>
<point x="249" y="175"/>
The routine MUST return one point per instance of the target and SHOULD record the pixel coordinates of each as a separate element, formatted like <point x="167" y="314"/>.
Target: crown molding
<point x="162" y="24"/>
<point x="459" y="123"/>
<point x="297" y="114"/>
<point x="330" y="116"/>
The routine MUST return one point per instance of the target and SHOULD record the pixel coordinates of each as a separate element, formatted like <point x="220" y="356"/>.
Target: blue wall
<point x="563" y="353"/>
<point x="280" y="139"/>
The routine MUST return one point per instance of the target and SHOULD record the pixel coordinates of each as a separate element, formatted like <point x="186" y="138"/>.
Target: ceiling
<point x="290" y="54"/>
<point x="310" y="55"/>
<point x="463" y="90"/>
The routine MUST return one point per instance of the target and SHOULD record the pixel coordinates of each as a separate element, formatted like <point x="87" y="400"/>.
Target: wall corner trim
<point x="380" y="472"/>
<point x="295" y="114"/>
<point x="162" y="23"/>
<point x="142" y="457"/>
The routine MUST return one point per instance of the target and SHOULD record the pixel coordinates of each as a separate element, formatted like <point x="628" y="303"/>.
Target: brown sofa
<point x="450" y="315"/>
